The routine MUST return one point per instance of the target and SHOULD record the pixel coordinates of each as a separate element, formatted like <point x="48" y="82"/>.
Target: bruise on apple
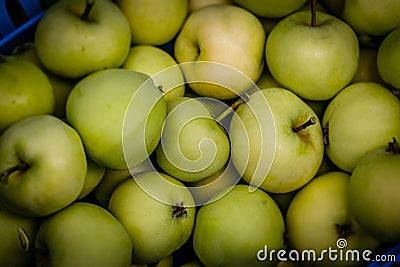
<point x="325" y="134"/>
<point x="393" y="147"/>
<point x="178" y="210"/>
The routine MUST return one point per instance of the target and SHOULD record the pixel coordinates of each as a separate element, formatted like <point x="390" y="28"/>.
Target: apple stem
<point x="311" y="121"/>
<point x="233" y="107"/>
<point x="313" y="5"/>
<point x="6" y="173"/>
<point x="344" y="230"/>
<point x="26" y="244"/>
<point x="393" y="147"/>
<point x="88" y="8"/>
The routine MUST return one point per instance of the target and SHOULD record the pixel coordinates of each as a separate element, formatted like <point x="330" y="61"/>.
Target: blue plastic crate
<point x="13" y="35"/>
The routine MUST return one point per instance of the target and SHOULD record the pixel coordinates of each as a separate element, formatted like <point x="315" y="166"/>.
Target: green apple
<point x="206" y="189"/>
<point x="208" y="35"/>
<point x="194" y="5"/>
<point x="112" y="178"/>
<point x="61" y="86"/>
<point x="373" y="192"/>
<point x="193" y="145"/>
<point x="156" y="63"/>
<point x="357" y="120"/>
<point x="42" y="166"/>
<point x="293" y="134"/>
<point x="25" y="91"/>
<point x="314" y="60"/>
<point x="266" y="80"/>
<point x="387" y="57"/>
<point x="94" y="175"/>
<point x="233" y="229"/>
<point x="367" y="66"/>
<point x="154" y="22"/>
<point x="82" y="235"/>
<point x="158" y="212"/>
<point x="271" y="8"/>
<point x="369" y="17"/>
<point x="11" y="252"/>
<point x="318" y="219"/>
<point x="90" y="36"/>
<point x="119" y="114"/>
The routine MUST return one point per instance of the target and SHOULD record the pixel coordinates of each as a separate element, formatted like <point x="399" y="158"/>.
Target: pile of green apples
<point x="201" y="133"/>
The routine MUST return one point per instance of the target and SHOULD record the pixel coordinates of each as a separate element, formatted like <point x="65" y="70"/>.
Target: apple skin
<point x="387" y="59"/>
<point x="83" y="235"/>
<point x="94" y="175"/>
<point x="156" y="62"/>
<point x="323" y="60"/>
<point x="111" y="109"/>
<point x="25" y="91"/>
<point x="11" y="252"/>
<point x="193" y="145"/>
<point x="61" y="86"/>
<point x="56" y="162"/>
<point x="208" y="35"/>
<point x="112" y="178"/>
<point x="194" y="5"/>
<point x="83" y="46"/>
<point x="303" y="149"/>
<point x="154" y="22"/>
<point x="373" y="190"/>
<point x="317" y="212"/>
<point x="149" y="217"/>
<point x="368" y="17"/>
<point x="232" y="229"/>
<point x="367" y="66"/>
<point x="359" y="119"/>
<point x="271" y="8"/>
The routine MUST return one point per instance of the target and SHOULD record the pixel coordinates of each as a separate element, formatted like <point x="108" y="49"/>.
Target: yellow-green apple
<point x="158" y="221"/>
<point x="208" y="35"/>
<point x="42" y="166"/>
<point x="25" y="91"/>
<point x="82" y="235"/>
<point x="367" y="70"/>
<point x="11" y="252"/>
<point x="372" y="18"/>
<point x="119" y="115"/>
<point x="387" y="57"/>
<point x="313" y="58"/>
<point x="112" y="178"/>
<point x="193" y="5"/>
<point x="154" y="22"/>
<point x="373" y="192"/>
<point x="232" y="230"/>
<point x="193" y="144"/>
<point x="90" y="36"/>
<point x="271" y="8"/>
<point x="291" y="134"/>
<point x="205" y="189"/>
<point x="319" y="219"/>
<point x="94" y="174"/>
<point x="357" y="120"/>
<point x="158" y="64"/>
<point x="266" y="80"/>
<point x="61" y="85"/>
